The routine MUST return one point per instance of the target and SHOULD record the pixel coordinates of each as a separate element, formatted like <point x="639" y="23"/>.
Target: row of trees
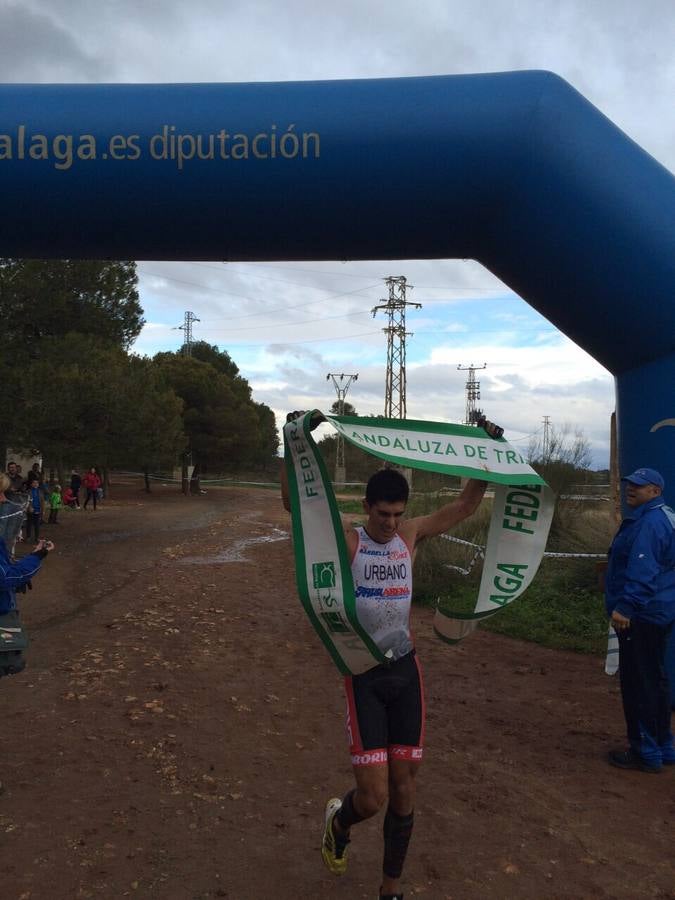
<point x="75" y="392"/>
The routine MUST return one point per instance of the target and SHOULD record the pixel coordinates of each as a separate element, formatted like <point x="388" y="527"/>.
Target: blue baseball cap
<point x="645" y="476"/>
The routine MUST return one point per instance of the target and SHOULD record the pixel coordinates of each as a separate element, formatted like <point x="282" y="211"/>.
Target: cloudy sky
<point x="288" y="325"/>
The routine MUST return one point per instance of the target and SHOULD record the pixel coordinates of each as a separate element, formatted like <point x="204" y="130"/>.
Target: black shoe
<point x="628" y="759"/>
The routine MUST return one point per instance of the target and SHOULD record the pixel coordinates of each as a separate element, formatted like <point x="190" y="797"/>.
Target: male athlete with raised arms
<point x="385" y="705"/>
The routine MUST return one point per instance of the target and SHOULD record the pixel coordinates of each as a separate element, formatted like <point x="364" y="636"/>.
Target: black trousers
<point x="644" y="687"/>
<point x="33" y="521"/>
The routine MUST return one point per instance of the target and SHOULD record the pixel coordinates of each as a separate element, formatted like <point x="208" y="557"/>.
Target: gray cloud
<point x="34" y="47"/>
<point x="619" y="54"/>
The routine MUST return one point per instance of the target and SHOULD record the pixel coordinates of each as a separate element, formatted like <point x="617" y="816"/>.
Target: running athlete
<point x="385" y="705"/>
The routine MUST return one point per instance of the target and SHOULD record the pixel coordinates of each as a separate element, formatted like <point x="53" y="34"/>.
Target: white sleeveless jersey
<point x="382" y="576"/>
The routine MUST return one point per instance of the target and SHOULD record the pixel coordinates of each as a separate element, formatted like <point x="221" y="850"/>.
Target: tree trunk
<point x="147" y="480"/>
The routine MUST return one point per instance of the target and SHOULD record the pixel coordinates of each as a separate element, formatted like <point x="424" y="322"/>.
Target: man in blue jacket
<point x="15" y="574"/>
<point x="640" y="601"/>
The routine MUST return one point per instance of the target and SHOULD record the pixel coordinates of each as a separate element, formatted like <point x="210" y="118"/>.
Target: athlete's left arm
<point x="453" y="513"/>
<point x="447" y="516"/>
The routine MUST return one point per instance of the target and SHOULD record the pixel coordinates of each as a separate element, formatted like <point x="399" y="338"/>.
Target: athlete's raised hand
<point x="493" y="431"/>
<point x="298" y="413"/>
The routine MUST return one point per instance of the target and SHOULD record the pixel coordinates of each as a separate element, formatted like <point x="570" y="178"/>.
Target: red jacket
<point x="91" y="481"/>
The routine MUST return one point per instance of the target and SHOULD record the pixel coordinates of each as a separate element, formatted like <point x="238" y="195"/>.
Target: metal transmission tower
<point x="546" y="442"/>
<point x="341" y="388"/>
<point x="394" y="398"/>
<point x="473" y="413"/>
<point x="190" y="317"/>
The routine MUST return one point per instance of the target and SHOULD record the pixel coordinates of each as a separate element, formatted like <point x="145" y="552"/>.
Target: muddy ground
<point x="179" y="727"/>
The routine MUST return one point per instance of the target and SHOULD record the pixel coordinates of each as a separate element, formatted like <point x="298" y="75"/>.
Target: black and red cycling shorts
<point x="385" y="713"/>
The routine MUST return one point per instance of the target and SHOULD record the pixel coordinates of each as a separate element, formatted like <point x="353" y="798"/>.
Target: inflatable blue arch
<point x="516" y="170"/>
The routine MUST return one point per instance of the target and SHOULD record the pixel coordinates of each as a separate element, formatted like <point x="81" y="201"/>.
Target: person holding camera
<point x="16" y="575"/>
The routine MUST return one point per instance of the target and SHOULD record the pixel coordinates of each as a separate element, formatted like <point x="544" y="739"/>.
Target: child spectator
<point x="75" y="485"/>
<point x="34" y="511"/>
<point x="69" y="499"/>
<point x="55" y="504"/>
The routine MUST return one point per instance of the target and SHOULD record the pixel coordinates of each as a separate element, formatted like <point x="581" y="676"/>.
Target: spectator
<point x="640" y="601"/>
<point x="34" y="511"/>
<point x="75" y="486"/>
<point x="16" y="485"/>
<point x="16" y="576"/>
<point x="69" y="499"/>
<point x="12" y="507"/>
<point x="35" y="472"/>
<point x="55" y="504"/>
<point x="92" y="483"/>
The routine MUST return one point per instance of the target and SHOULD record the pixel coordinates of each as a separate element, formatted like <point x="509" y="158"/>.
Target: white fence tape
<point x="480" y="549"/>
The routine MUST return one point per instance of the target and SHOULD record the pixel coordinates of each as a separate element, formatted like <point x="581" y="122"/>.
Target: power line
<point x="226" y="293"/>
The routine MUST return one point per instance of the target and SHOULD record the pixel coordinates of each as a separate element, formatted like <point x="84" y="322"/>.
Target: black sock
<point x="347" y="815"/>
<point x="397" y="831"/>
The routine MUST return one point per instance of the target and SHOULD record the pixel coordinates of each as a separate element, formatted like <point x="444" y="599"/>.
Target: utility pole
<point x="341" y="388"/>
<point x="190" y="318"/>
<point x="472" y="413"/>
<point x="187" y="467"/>
<point x="395" y="306"/>
<point x="546" y="442"/>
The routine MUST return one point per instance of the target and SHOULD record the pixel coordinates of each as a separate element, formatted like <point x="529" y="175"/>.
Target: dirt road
<point x="179" y="727"/>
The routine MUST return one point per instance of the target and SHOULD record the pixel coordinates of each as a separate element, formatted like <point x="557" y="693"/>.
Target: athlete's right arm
<point x="283" y="476"/>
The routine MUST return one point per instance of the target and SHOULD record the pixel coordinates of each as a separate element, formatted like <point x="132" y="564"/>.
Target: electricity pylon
<point x="472" y="413"/>
<point x="395" y="306"/>
<point x="190" y="318"/>
<point x="341" y="388"/>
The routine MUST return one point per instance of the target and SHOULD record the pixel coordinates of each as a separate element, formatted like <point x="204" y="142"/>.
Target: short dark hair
<point x="387" y="485"/>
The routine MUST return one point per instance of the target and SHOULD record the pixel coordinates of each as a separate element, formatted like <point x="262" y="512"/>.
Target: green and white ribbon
<point x="522" y="513"/>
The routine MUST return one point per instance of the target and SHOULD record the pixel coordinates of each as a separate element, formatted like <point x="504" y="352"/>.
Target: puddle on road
<point x="236" y="552"/>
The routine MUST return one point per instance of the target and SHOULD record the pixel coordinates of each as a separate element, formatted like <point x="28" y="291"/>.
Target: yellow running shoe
<point x="333" y="850"/>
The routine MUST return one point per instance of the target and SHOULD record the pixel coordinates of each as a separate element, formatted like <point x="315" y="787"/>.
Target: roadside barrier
<point x="480" y="554"/>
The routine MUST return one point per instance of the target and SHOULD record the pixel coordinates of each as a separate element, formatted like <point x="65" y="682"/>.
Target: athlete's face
<point x="383" y="519"/>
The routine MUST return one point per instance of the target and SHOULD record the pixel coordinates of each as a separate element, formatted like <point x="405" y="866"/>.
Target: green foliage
<point x="79" y="397"/>
<point x="562" y="608"/>
<point x="52" y="298"/>
<point x="226" y="429"/>
<point x="219" y="359"/>
<point x="97" y="405"/>
<point x="347" y="408"/>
